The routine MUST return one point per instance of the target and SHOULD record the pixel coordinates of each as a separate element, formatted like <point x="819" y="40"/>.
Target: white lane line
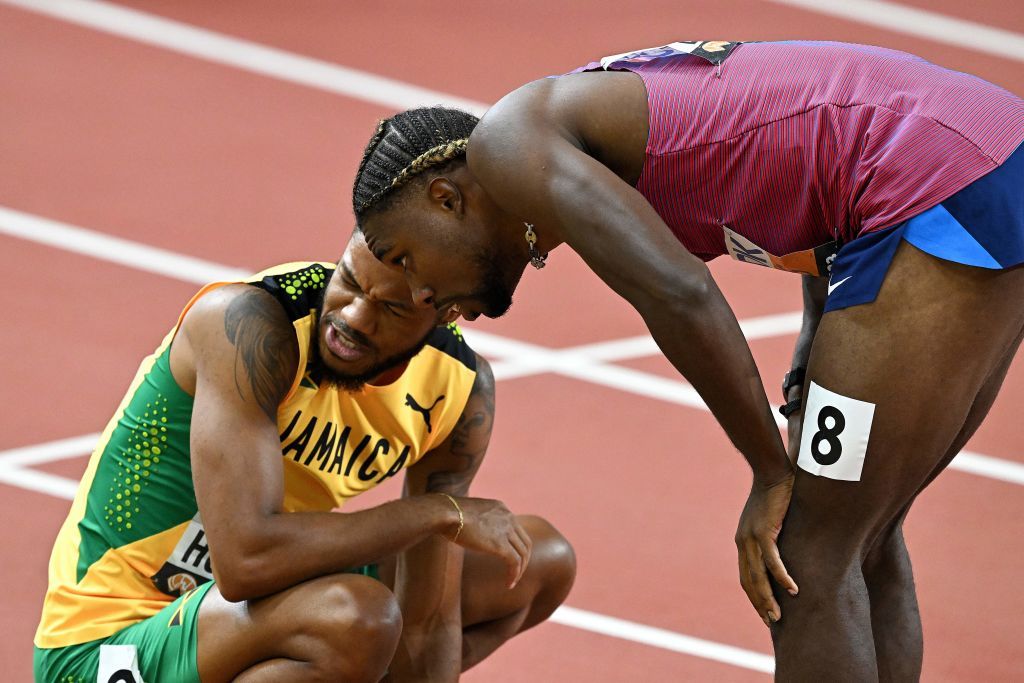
<point x="243" y="54"/>
<point x="114" y="249"/>
<point x="40" y="482"/>
<point x="62" y="487"/>
<point x="50" y="451"/>
<point x="294" y="68"/>
<point x="641" y="346"/>
<point x="516" y="358"/>
<point x="987" y="466"/>
<point x="960" y="33"/>
<point x="668" y="640"/>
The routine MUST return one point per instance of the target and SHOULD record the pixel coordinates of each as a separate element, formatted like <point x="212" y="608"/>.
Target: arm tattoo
<point x="263" y="346"/>
<point x="470" y="437"/>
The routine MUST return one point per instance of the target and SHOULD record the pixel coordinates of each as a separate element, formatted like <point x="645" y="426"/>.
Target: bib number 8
<point x="834" y="438"/>
<point x="829" y="435"/>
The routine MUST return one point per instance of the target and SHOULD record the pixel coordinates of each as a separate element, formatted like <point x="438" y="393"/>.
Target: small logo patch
<point x="189" y="565"/>
<point x="425" y="412"/>
<point x="714" y="51"/>
<point x="816" y="261"/>
<point x="834" y="287"/>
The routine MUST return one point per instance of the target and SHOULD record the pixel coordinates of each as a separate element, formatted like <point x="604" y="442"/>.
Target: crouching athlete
<point x="206" y="542"/>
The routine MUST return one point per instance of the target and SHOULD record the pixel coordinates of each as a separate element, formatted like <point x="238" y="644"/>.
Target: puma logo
<point x="411" y="402"/>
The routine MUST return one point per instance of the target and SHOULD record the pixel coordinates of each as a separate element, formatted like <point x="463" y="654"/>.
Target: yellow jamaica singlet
<point x="133" y="540"/>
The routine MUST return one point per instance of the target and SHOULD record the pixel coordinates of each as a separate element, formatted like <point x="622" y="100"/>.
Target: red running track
<point x="211" y="161"/>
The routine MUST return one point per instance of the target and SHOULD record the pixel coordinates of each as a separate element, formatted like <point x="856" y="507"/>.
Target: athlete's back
<point x="793" y="144"/>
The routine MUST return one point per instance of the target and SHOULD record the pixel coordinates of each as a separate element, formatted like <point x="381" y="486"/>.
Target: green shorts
<point x="165" y="647"/>
<point x="164" y="644"/>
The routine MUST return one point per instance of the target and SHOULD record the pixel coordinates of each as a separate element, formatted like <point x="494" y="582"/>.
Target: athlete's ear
<point x="450" y="315"/>
<point x="445" y="194"/>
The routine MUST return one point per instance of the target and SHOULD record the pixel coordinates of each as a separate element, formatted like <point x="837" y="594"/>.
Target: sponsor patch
<point x="189" y="564"/>
<point x="816" y="261"/>
<point x="835" y="434"/>
<point x="119" y="664"/>
<point x="714" y="51"/>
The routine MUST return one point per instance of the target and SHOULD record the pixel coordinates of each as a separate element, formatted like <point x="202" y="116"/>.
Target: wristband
<point x="791" y="407"/>
<point x="793" y="378"/>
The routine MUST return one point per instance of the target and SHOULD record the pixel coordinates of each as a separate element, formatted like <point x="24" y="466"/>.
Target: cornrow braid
<point x="403" y="147"/>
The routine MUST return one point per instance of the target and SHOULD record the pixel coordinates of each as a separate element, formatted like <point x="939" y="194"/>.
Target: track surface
<point x="164" y="149"/>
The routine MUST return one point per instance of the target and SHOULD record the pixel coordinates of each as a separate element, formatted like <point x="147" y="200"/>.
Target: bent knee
<point x="355" y="603"/>
<point x="551" y="553"/>
<point x="357" y="622"/>
<point x="822" y="553"/>
<point x="552" y="568"/>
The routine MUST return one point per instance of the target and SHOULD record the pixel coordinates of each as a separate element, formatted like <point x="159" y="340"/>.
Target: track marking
<point x="49" y="451"/>
<point x="294" y="68"/>
<point x="40" y="482"/>
<point x="987" y="466"/>
<point x="941" y="28"/>
<point x="314" y="73"/>
<point x="243" y="54"/>
<point x="515" y="358"/>
<point x="12" y="472"/>
<point x="667" y="640"/>
<point x="114" y="249"/>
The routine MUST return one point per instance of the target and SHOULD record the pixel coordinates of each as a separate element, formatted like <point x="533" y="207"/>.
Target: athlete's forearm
<point x="814" y="293"/>
<point x="702" y="339"/>
<point x="428" y="584"/>
<point x="261" y="556"/>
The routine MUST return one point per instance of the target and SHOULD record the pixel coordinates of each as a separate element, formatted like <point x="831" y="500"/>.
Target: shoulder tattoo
<point x="264" y="358"/>
<point x="470" y="437"/>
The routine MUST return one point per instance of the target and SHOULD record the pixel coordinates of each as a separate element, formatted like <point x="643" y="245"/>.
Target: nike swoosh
<point x="832" y="287"/>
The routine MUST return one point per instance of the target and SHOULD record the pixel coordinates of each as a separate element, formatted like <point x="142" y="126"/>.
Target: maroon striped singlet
<point x="794" y="144"/>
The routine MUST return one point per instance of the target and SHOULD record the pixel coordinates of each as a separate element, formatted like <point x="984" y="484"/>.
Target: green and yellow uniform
<point x="133" y="542"/>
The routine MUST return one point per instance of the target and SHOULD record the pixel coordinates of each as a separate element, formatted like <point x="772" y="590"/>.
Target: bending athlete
<point x="206" y="540"/>
<point x="897" y="177"/>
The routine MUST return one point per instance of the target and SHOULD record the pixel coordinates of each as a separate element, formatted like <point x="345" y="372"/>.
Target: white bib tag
<point x="119" y="664"/>
<point x="835" y="434"/>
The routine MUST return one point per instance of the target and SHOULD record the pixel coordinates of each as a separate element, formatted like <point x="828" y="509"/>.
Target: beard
<point x="322" y="373"/>
<point x="494" y="293"/>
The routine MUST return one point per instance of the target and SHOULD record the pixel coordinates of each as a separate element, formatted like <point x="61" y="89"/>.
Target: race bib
<point x="119" y="664"/>
<point x="835" y="434"/>
<point x="816" y="261"/>
<point x="714" y="51"/>
<point x="189" y="565"/>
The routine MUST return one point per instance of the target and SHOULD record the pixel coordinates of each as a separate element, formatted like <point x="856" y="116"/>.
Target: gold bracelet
<point x="462" y="519"/>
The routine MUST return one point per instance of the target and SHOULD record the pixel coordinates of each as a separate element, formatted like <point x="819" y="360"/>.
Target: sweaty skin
<point x="236" y="354"/>
<point x="564" y="154"/>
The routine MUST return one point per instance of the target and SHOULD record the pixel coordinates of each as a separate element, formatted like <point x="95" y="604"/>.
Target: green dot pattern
<point x="146" y="442"/>
<point x="297" y="283"/>
<point x="454" y="329"/>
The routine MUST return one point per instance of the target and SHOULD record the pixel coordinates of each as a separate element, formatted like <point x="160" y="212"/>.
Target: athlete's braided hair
<point x="403" y="147"/>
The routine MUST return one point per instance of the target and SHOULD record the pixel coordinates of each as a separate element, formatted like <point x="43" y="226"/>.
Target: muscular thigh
<point x="233" y="636"/>
<point x="915" y="360"/>
<point x="160" y="648"/>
